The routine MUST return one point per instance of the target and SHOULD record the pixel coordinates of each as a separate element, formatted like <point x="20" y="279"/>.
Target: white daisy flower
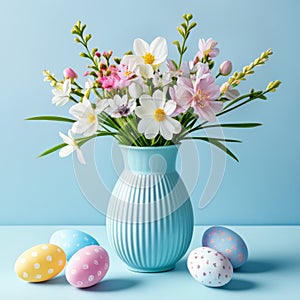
<point x="120" y="107"/>
<point x="154" y="113"/>
<point x="62" y="93"/>
<point x="154" y="54"/>
<point x="70" y="147"/>
<point x="87" y="123"/>
<point x="147" y="57"/>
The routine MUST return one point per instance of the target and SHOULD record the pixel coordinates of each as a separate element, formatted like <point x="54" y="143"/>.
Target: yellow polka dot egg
<point x="40" y="263"/>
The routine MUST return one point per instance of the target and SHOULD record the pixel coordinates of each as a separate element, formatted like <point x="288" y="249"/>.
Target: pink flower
<point x="69" y="73"/>
<point x="201" y="95"/>
<point x="205" y="92"/>
<point x="113" y="80"/>
<point x="125" y="73"/>
<point x="181" y="94"/>
<point x="225" y="68"/>
<point x="207" y="48"/>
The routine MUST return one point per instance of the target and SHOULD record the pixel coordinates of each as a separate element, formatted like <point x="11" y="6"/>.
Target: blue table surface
<point x="271" y="272"/>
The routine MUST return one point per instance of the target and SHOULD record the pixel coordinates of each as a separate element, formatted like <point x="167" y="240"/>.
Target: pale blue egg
<point x="227" y="242"/>
<point x="72" y="240"/>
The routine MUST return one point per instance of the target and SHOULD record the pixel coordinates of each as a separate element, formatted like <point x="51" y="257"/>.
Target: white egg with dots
<point x="209" y="267"/>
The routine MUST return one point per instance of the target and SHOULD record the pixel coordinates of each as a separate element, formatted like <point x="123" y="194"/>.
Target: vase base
<point x="152" y="270"/>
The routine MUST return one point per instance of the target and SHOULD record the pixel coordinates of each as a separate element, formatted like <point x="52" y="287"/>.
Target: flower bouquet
<point x="144" y="99"/>
<point x="150" y="104"/>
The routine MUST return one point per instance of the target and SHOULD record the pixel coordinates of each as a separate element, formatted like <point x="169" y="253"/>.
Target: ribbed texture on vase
<point x="150" y="220"/>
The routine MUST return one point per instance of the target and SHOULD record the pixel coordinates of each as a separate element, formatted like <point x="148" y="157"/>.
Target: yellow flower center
<point x="148" y="58"/>
<point x="159" y="115"/>
<point x="91" y="118"/>
<point x="202" y="99"/>
<point x="128" y="73"/>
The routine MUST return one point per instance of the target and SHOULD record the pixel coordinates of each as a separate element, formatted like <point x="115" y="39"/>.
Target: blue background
<point x="35" y="35"/>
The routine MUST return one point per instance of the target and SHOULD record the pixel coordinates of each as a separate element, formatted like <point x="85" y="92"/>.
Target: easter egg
<point x="87" y="266"/>
<point x="40" y="263"/>
<point x="209" y="267"/>
<point x="228" y="242"/>
<point x="71" y="240"/>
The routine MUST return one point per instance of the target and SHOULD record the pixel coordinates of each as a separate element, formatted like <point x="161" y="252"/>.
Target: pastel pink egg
<point x="87" y="266"/>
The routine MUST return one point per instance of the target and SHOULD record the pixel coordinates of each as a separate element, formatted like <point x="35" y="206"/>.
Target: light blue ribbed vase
<point x="150" y="218"/>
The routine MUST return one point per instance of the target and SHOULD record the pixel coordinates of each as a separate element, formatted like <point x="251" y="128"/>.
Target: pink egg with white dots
<point x="87" y="267"/>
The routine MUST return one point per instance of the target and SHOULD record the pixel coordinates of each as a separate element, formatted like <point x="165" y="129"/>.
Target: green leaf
<point x="262" y="97"/>
<point x="211" y="139"/>
<point x="234" y="125"/>
<point x="50" y="118"/>
<point x="53" y="149"/>
<point x="219" y="145"/>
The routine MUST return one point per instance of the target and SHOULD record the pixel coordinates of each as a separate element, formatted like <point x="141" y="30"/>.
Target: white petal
<point x="60" y="100"/>
<point x="159" y="49"/>
<point x="67" y="87"/>
<point x="142" y="112"/>
<point x="101" y="105"/>
<point x="159" y="103"/>
<point x="80" y="126"/>
<point x="91" y="129"/>
<point x="170" y="106"/>
<point x="147" y="103"/>
<point x="140" y="47"/>
<point x="118" y="100"/>
<point x="152" y="130"/>
<point x="144" y="124"/>
<point x="145" y="71"/>
<point x="135" y="90"/>
<point x="80" y="156"/>
<point x="65" y="151"/>
<point x="165" y="131"/>
<point x="124" y="100"/>
<point x="174" y="123"/>
<point x="112" y="103"/>
<point x="66" y="139"/>
<point x="77" y="110"/>
<point x="109" y="110"/>
<point x="158" y="94"/>
<point x="132" y="105"/>
<point x="127" y="60"/>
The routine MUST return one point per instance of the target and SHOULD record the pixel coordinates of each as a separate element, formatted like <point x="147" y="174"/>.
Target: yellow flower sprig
<point x="50" y="77"/>
<point x="236" y="78"/>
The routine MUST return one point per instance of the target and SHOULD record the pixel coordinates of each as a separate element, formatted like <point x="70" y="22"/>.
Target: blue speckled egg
<point x="228" y="242"/>
<point x="71" y="240"/>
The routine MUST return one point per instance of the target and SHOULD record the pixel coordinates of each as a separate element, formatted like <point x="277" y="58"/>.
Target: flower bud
<point x="98" y="54"/>
<point x="225" y="68"/>
<point x="69" y="73"/>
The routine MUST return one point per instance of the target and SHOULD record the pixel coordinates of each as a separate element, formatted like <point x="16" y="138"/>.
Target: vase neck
<point x="149" y="160"/>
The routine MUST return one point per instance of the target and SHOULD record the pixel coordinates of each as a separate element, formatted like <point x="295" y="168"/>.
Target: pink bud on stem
<point x="69" y="73"/>
<point x="225" y="68"/>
